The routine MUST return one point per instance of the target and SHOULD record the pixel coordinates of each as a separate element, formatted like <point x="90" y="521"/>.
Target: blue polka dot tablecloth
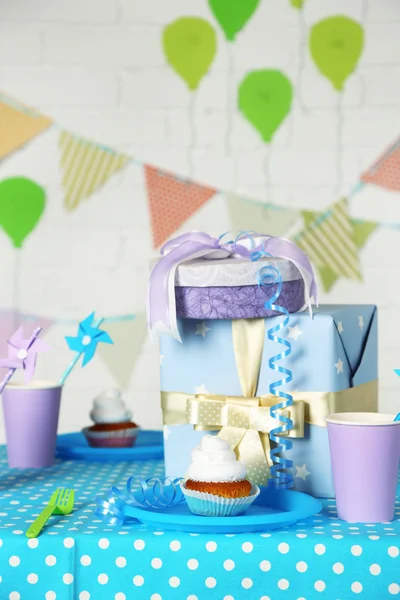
<point x="78" y="557"/>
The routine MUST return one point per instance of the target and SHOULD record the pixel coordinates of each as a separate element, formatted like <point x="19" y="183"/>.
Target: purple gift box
<point x="229" y="289"/>
<point x="201" y="277"/>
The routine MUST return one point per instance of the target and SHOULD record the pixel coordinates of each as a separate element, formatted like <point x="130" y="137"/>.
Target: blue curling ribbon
<point x="140" y="493"/>
<point x="281" y="475"/>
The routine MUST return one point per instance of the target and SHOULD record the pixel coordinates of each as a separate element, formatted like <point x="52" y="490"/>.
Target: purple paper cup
<point x="365" y="454"/>
<point x="31" y="420"/>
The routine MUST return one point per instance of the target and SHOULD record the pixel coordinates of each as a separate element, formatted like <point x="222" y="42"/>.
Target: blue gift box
<point x="331" y="352"/>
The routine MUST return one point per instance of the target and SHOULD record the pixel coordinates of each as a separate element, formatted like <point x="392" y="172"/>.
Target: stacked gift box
<point x="216" y="375"/>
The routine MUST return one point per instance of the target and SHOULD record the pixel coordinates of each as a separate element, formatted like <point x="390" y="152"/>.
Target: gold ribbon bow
<point x="245" y="421"/>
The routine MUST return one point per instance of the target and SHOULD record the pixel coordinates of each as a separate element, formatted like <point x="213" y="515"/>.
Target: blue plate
<point x="272" y="509"/>
<point x="149" y="445"/>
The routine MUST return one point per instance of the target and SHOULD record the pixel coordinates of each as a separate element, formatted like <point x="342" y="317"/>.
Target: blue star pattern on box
<point x="87" y="339"/>
<point x="330" y="352"/>
<point x="201" y="329"/>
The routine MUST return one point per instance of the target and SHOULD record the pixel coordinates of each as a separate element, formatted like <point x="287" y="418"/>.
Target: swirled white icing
<point x="109" y="407"/>
<point x="214" y="461"/>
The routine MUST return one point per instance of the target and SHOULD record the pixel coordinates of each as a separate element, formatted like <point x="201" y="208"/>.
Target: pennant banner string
<point x="123" y="159"/>
<point x="111" y="319"/>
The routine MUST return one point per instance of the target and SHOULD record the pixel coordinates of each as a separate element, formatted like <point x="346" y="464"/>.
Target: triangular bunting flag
<point x="362" y="231"/>
<point x="247" y="215"/>
<point x="18" y="127"/>
<point x="86" y="167"/>
<point x="10" y="321"/>
<point x="171" y="201"/>
<point x="386" y="171"/>
<point x="128" y="337"/>
<point x="330" y="242"/>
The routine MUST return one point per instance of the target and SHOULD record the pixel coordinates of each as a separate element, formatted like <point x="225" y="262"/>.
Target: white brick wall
<point x="97" y="67"/>
<point x="47" y="12"/>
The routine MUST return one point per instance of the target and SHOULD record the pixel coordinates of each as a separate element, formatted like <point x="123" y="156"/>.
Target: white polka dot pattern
<point x="174" y="582"/>
<point x="265" y="565"/>
<point x="192" y="564"/>
<point x="394" y="589"/>
<point x="80" y="554"/>
<point x="356" y="550"/>
<point x="301" y="566"/>
<point x="283" y="548"/>
<point x="283" y="584"/>
<point x="156" y="563"/>
<point x="356" y="587"/>
<point x="338" y="568"/>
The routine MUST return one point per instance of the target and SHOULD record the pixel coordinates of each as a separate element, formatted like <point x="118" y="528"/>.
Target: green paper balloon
<point x="265" y="98"/>
<point x="232" y="15"/>
<point x="336" y="45"/>
<point x="190" y="45"/>
<point x="22" y="202"/>
<point x="297" y="3"/>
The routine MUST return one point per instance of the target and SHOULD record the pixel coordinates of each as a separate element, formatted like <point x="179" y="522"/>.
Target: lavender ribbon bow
<point x="161" y="307"/>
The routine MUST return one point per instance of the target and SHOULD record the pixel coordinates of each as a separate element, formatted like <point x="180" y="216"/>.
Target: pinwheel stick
<point x="11" y="372"/>
<point x="76" y="357"/>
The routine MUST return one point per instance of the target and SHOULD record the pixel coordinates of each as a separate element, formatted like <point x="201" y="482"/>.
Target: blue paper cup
<point x="210" y="505"/>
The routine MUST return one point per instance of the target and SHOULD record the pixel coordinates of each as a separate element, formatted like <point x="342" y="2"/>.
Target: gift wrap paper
<point x="228" y="288"/>
<point x="334" y="351"/>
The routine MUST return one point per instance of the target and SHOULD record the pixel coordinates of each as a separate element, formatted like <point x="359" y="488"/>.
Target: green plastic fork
<point x="61" y="503"/>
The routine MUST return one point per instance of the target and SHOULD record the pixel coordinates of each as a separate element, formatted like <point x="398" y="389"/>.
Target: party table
<point x="79" y="557"/>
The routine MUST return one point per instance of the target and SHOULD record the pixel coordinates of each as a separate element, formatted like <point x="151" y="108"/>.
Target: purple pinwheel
<point x="89" y="335"/>
<point x="22" y="354"/>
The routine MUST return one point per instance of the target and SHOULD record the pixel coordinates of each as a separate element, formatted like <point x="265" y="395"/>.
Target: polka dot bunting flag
<point x="386" y="171"/>
<point x="171" y="202"/>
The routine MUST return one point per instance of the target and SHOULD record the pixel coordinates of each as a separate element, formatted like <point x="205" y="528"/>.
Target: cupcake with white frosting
<point x="113" y="427"/>
<point x="216" y="483"/>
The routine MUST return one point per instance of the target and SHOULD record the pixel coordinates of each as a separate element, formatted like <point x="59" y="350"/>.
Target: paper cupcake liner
<point x="119" y="438"/>
<point x="210" y="505"/>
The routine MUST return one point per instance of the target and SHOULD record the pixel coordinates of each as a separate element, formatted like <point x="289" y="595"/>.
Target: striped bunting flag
<point x="330" y="242"/>
<point x="86" y="167"/>
<point x="362" y="232"/>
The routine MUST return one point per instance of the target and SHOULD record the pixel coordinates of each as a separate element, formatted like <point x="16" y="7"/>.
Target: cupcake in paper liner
<point x="216" y="484"/>
<point x="112" y="427"/>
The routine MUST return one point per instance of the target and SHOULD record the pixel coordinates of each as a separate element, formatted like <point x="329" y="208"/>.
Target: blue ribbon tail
<point x="151" y="493"/>
<point x="281" y="469"/>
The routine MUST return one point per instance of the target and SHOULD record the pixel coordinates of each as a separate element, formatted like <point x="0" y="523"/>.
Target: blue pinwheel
<point x="84" y="344"/>
<point x="89" y="335"/>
